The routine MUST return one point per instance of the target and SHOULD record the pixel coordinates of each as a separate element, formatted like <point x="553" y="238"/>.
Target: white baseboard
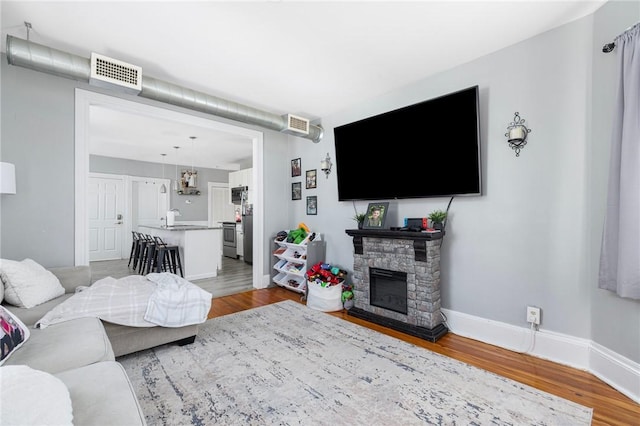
<point x="617" y="371"/>
<point x="264" y="283"/>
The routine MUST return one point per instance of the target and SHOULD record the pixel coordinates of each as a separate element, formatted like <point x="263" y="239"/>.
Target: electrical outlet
<point x="533" y="315"/>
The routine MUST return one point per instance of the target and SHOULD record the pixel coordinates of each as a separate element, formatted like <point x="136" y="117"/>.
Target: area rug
<point x="287" y="364"/>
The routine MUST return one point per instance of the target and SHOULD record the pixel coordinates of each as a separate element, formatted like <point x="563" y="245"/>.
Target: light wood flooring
<point x="233" y="292"/>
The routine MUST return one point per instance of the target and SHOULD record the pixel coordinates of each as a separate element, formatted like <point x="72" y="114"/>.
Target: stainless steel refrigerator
<point x="247" y="228"/>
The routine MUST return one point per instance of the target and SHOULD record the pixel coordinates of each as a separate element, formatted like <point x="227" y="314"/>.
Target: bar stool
<point x="134" y="249"/>
<point x="138" y="252"/>
<point x="174" y="253"/>
<point x="156" y="260"/>
<point x="147" y="247"/>
<point x="165" y="258"/>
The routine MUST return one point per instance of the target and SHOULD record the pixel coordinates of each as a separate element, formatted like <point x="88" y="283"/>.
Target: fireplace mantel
<point x="419" y="239"/>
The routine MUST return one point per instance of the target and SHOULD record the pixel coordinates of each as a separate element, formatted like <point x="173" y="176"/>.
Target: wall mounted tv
<point x="429" y="149"/>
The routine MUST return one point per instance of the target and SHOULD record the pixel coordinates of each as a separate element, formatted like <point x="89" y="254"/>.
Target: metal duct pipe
<point x="37" y="57"/>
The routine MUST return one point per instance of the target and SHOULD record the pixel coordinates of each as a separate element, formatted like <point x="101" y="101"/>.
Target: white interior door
<point x="149" y="206"/>
<point x="105" y="209"/>
<point x="220" y="209"/>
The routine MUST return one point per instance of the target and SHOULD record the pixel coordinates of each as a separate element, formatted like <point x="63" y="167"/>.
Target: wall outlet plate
<point x="533" y="315"/>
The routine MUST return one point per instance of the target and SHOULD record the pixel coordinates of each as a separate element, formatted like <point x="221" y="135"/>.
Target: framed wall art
<point x="296" y="191"/>
<point x="376" y="216"/>
<point x="296" y="167"/>
<point x="311" y="178"/>
<point x="312" y="205"/>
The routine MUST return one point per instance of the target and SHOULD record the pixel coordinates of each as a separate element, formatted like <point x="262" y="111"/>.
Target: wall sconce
<point x="325" y="165"/>
<point x="7" y="178"/>
<point x="517" y="134"/>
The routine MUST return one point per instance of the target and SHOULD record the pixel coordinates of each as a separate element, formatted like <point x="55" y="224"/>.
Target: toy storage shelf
<point x="292" y="261"/>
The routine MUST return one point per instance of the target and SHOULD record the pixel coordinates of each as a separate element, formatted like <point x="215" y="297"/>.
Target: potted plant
<point x="359" y="217"/>
<point x="437" y="218"/>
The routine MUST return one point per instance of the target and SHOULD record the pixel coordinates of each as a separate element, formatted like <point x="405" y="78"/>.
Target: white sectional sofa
<point x="80" y="353"/>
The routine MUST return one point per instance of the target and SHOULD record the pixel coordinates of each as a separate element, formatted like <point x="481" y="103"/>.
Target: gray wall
<point x="199" y="207"/>
<point x="37" y="134"/>
<point x="531" y="239"/>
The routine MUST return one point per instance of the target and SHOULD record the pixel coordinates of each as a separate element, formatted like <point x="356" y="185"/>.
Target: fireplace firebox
<point x="388" y="289"/>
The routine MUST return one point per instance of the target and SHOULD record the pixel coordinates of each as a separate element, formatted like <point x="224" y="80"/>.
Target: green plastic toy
<point x="296" y="236"/>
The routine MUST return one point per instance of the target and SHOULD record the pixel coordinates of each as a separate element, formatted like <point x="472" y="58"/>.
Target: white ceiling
<point x="115" y="133"/>
<point x="306" y="58"/>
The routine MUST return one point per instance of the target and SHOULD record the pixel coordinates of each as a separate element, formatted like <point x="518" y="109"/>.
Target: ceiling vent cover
<point x="296" y="125"/>
<point x="114" y="74"/>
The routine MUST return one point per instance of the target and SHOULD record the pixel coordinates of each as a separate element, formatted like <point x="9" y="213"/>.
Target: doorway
<point x="86" y="99"/>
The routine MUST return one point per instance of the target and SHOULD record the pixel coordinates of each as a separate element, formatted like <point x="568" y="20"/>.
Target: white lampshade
<point x="7" y="178"/>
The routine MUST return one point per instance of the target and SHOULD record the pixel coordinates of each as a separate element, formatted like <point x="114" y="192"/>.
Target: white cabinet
<point x="234" y="179"/>
<point x="242" y="178"/>
<point x="293" y="260"/>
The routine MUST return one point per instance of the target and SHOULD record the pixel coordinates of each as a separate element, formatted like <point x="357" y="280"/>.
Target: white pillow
<point x="28" y="284"/>
<point x="33" y="397"/>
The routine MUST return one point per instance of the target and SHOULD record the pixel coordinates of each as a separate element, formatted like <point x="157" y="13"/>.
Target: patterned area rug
<point x="287" y="364"/>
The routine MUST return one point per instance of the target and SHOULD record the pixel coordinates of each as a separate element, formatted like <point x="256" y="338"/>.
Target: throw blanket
<point x="126" y="300"/>
<point x="176" y="301"/>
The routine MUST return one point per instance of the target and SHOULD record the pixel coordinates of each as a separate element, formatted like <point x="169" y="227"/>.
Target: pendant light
<point x="163" y="187"/>
<point x="192" y="177"/>
<point x="175" y="182"/>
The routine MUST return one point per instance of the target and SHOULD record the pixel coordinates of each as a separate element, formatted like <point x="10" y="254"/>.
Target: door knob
<point x="119" y="223"/>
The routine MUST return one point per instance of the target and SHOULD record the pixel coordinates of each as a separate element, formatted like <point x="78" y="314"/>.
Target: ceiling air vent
<point x="114" y="74"/>
<point x="296" y="125"/>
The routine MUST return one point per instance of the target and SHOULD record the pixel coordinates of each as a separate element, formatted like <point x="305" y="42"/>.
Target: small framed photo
<point x="312" y="205"/>
<point x="311" y="178"/>
<point x="296" y="167"/>
<point x="296" y="191"/>
<point x="376" y="216"/>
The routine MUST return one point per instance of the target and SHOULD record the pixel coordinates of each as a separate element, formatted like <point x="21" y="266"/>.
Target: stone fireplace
<point x="396" y="280"/>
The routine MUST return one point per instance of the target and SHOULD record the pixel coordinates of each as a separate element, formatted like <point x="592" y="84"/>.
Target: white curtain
<point x="620" y="255"/>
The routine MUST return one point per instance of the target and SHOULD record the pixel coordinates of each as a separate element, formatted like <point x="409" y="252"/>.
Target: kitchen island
<point x="200" y="247"/>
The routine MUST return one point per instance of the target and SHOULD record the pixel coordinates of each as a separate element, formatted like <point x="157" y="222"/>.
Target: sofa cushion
<point x="71" y="277"/>
<point x="13" y="334"/>
<point x="27" y="284"/>
<point x="101" y="394"/>
<point x="60" y="347"/>
<point x="32" y="315"/>
<point x="32" y="397"/>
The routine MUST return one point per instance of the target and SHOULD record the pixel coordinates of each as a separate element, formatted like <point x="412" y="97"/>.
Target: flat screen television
<point x="429" y="149"/>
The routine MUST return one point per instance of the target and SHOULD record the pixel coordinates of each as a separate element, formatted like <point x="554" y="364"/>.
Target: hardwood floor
<point x="610" y="406"/>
